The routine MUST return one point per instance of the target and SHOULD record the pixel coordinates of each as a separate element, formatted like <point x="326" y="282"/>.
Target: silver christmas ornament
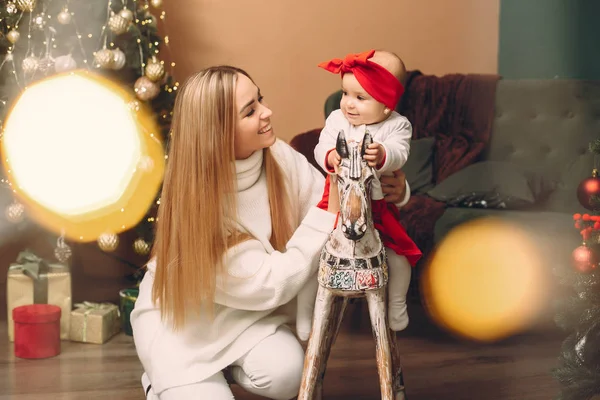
<point x="118" y="59"/>
<point x="30" y="65"/>
<point x="62" y="252"/>
<point x="64" y="63"/>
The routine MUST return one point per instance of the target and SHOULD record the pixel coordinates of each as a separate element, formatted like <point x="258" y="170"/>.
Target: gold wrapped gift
<point x="32" y="280"/>
<point x="94" y="322"/>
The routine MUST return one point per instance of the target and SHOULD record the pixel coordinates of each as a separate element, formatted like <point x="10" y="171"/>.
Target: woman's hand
<point x="394" y="187"/>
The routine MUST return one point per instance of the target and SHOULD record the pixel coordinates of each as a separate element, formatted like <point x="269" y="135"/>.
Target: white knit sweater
<point x="261" y="280"/>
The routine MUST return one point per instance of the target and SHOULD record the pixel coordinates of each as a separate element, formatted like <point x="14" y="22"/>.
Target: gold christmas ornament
<point x="64" y="17"/>
<point x="64" y="63"/>
<point x="15" y="212"/>
<point x="141" y="247"/>
<point x="108" y="242"/>
<point x="145" y="89"/>
<point x="118" y="59"/>
<point x="13" y="36"/>
<point x="30" y="65"/>
<point x="62" y="252"/>
<point x="26" y="5"/>
<point x="155" y="69"/>
<point x="104" y="58"/>
<point x="118" y="24"/>
<point x="156" y="3"/>
<point x="126" y="14"/>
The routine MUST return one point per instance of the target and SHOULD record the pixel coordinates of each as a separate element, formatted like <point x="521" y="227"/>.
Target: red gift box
<point x="37" y="330"/>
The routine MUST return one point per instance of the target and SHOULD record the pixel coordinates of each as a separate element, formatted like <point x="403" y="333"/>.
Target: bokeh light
<point x="486" y="281"/>
<point x="83" y="155"/>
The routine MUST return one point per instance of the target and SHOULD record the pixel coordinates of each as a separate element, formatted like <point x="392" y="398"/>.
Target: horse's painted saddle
<point x="352" y="274"/>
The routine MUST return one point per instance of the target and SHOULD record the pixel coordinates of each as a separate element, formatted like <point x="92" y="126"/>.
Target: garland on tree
<point x="117" y="39"/>
<point x="579" y="362"/>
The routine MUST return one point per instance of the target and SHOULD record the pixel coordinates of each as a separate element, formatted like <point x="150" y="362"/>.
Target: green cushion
<point x="332" y="103"/>
<point x="419" y="166"/>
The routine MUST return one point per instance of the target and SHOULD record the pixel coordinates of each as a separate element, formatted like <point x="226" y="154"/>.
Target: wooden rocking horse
<point x="352" y="264"/>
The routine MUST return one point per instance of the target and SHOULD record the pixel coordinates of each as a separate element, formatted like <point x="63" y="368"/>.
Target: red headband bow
<point x="376" y="80"/>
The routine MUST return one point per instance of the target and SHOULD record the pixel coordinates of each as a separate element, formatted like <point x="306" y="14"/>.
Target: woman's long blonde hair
<point x="198" y="208"/>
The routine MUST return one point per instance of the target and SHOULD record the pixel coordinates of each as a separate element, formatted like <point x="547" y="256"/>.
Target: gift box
<point x="32" y="280"/>
<point x="128" y="297"/>
<point x="94" y="322"/>
<point x="37" y="330"/>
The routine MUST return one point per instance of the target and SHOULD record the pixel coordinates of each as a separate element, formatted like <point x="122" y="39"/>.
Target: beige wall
<point x="280" y="42"/>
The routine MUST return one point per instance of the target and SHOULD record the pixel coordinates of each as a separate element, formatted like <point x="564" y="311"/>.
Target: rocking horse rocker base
<point x="352" y="264"/>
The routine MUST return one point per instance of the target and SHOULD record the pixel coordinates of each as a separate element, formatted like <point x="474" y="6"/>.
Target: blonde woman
<point x="238" y="236"/>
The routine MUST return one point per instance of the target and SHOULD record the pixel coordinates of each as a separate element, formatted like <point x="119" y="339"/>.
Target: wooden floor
<point x="436" y="367"/>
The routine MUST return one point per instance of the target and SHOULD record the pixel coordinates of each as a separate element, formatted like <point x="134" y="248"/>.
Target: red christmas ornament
<point x="584" y="259"/>
<point x="588" y="192"/>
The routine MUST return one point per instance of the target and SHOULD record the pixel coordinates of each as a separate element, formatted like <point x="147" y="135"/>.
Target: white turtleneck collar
<point x="248" y="170"/>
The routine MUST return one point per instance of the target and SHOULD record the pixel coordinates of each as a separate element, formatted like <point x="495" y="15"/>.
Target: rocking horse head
<point x="354" y="185"/>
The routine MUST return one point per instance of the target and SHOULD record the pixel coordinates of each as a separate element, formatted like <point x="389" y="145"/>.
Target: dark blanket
<point x="457" y="109"/>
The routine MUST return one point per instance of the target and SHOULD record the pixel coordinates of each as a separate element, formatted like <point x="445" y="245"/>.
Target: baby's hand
<point x="333" y="160"/>
<point x="375" y="154"/>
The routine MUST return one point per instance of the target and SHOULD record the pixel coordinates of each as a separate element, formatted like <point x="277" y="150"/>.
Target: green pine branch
<point x="595" y="146"/>
<point x="579" y="380"/>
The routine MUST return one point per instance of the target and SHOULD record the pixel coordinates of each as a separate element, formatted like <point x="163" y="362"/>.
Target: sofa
<point x="486" y="146"/>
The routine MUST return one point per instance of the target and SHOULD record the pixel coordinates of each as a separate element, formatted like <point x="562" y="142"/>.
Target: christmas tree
<point x="117" y="39"/>
<point x="579" y="314"/>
